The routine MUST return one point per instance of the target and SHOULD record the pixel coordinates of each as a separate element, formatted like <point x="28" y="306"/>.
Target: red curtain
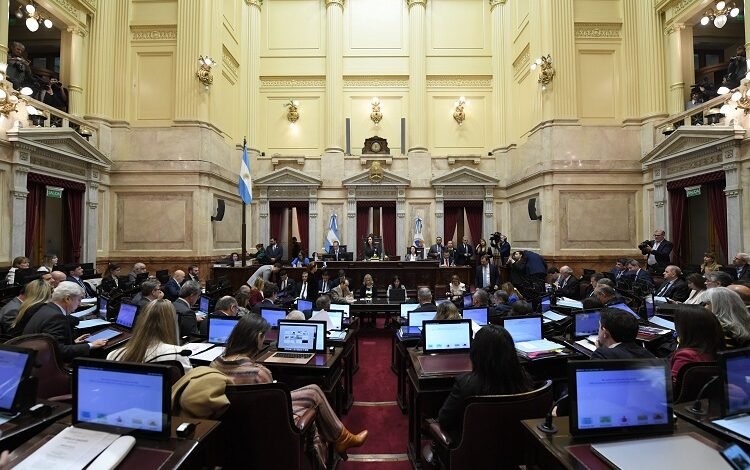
<point x="276" y="217"/>
<point x="303" y="222"/>
<point x="34" y="211"/>
<point x="74" y="205"/>
<point x="677" y="202"/>
<point x="363" y="221"/>
<point x="389" y="231"/>
<point x="451" y="221"/>
<point x="474" y="217"/>
<point x="717" y="204"/>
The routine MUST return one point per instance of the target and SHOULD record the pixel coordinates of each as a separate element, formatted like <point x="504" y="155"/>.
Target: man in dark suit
<point x="274" y="251"/>
<point x="306" y="290"/>
<point x="287" y="286"/>
<point x="617" y="332"/>
<point x="742" y="265"/>
<point x="193" y="273"/>
<point x="464" y="252"/>
<point x="424" y="296"/>
<point x="436" y="250"/>
<point x="673" y="286"/>
<point x="138" y="268"/>
<point x="54" y="319"/>
<point x="187" y="320"/>
<point x="635" y="273"/>
<point x="75" y="271"/>
<point x="150" y="290"/>
<point x="658" y="254"/>
<point x="172" y="287"/>
<point x="336" y="251"/>
<point x="226" y="307"/>
<point x="269" y="297"/>
<point x="535" y="266"/>
<point x="620" y="269"/>
<point x="486" y="275"/>
<point x="326" y="283"/>
<point x="567" y="284"/>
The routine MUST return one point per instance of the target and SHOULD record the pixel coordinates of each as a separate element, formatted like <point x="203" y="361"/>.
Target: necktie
<point x="283" y="286"/>
<point x="303" y="292"/>
<point x="665" y="288"/>
<point x="325" y="287"/>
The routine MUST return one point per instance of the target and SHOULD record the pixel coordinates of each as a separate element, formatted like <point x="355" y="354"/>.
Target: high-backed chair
<point x="52" y="376"/>
<point x="492" y="434"/>
<point x="176" y="370"/>
<point x="258" y="430"/>
<point x="692" y="377"/>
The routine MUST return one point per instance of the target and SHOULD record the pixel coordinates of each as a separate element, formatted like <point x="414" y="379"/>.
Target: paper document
<point x="89" y="301"/>
<point x="538" y="346"/>
<point x="660" y="300"/>
<point x="209" y="355"/>
<point x="92" y="322"/>
<point x="739" y="425"/>
<point x="72" y="449"/>
<point x="197" y="348"/>
<point x="662" y="322"/>
<point x="566" y="302"/>
<point x="681" y="451"/>
<point x="586" y="344"/>
<point x="554" y="316"/>
<point x="336" y="335"/>
<point x="83" y="313"/>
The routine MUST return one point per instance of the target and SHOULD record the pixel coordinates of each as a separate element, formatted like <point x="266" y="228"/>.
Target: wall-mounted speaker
<point x="219" y="211"/>
<point x="533" y="215"/>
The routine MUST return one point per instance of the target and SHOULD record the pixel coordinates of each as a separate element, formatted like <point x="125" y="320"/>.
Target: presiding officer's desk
<point x="551" y="451"/>
<point x="148" y="454"/>
<point x="20" y="429"/>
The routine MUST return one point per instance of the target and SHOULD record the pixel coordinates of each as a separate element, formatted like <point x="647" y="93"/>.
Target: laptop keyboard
<point x="291" y="355"/>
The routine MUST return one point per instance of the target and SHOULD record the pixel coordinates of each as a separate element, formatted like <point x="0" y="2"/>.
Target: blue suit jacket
<point x="534" y="263"/>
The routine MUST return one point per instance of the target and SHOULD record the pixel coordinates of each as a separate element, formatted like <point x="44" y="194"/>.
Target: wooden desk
<point x="550" y="451"/>
<point x="174" y="453"/>
<point x="24" y="426"/>
<point x="399" y="364"/>
<point x="713" y="409"/>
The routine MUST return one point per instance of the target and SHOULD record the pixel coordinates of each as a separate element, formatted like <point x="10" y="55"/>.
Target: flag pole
<point x="244" y="226"/>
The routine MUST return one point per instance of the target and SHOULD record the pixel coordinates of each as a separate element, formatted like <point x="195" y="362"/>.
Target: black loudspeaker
<point x="219" y="211"/>
<point x="532" y="210"/>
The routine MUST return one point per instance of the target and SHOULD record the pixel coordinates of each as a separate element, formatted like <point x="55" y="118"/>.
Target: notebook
<point x="446" y="336"/>
<point x="620" y="397"/>
<point x="478" y="314"/>
<point x="126" y="315"/>
<point x="524" y="328"/>
<point x="468" y="301"/>
<point x="297" y="342"/>
<point x="735" y="400"/>
<point x="303" y="305"/>
<point x="220" y="327"/>
<point x="122" y="397"/>
<point x="272" y="316"/>
<point x="107" y="333"/>
<point x="15" y="366"/>
<point x="406" y="308"/>
<point x="586" y="324"/>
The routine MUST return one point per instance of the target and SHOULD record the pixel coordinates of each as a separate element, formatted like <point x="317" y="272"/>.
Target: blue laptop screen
<point x="738" y="384"/>
<point x="203" y="306"/>
<point x="12" y="365"/>
<point x="524" y="329"/>
<point x="545" y="304"/>
<point x="468" y="302"/>
<point x="126" y="315"/>
<point x="406" y="308"/>
<point x="103" y="302"/>
<point x="303" y="305"/>
<point x="478" y="314"/>
<point x="416" y="318"/>
<point x="586" y="324"/>
<point x="219" y="329"/>
<point x="272" y="316"/>
<point x="650" y="309"/>
<point x="623" y="306"/>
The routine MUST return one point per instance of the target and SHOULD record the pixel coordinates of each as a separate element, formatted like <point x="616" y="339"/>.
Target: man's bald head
<point x="57" y="278"/>
<point x="179" y="275"/>
<point x="743" y="291"/>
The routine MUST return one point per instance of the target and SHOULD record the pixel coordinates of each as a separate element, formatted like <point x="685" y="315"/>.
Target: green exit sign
<point x="54" y="193"/>
<point x="692" y="191"/>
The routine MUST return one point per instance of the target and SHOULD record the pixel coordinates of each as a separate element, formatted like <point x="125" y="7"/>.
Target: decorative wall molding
<point x="292" y="82"/>
<point x="78" y="31"/>
<point x="673" y="28"/>
<point x="598" y="30"/>
<point x="681" y="5"/>
<point x="411" y="3"/>
<point x="374" y="81"/>
<point x="153" y="33"/>
<point x="335" y="2"/>
<point x="692" y="163"/>
<point x="75" y="10"/>
<point x="50" y="162"/>
<point x="229" y="62"/>
<point x="447" y="81"/>
<point x="522" y="61"/>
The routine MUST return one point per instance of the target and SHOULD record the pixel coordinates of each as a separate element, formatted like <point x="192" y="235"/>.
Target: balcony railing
<point x="48" y="116"/>
<point x="700" y="115"/>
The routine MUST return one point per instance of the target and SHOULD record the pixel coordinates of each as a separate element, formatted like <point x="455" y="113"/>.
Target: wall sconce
<point x="292" y="110"/>
<point x="9" y="98"/>
<point x="546" y="72"/>
<point x="204" y="71"/>
<point x="376" y="115"/>
<point x="458" y="113"/>
<point x="739" y="98"/>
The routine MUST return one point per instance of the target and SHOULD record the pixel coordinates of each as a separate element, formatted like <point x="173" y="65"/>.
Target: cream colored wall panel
<point x="615" y="225"/>
<point x="376" y="66"/>
<point x="525" y="95"/>
<point x="519" y="14"/>
<point x="226" y="111"/>
<point x="299" y="66"/>
<point x="359" y="107"/>
<point x="293" y="28"/>
<point x="593" y="11"/>
<point x="458" y="27"/>
<point x="523" y="232"/>
<point x="231" y="19"/>
<point x="6" y="223"/>
<point x="376" y="27"/>
<point x="226" y="233"/>
<point x="174" y="214"/>
<point x="154" y="12"/>
<point x="598" y="84"/>
<point x="304" y="136"/>
<point x="102" y="216"/>
<point x="459" y="65"/>
<point x="153" y="85"/>
<point x="445" y="133"/>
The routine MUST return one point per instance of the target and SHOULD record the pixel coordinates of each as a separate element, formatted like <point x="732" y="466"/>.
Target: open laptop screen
<point x="303" y="305"/>
<point x="220" y="327"/>
<point x="624" y="306"/>
<point x="586" y="324"/>
<point x="272" y="316"/>
<point x="478" y="314"/>
<point x="525" y="328"/>
<point x="343" y="307"/>
<point x="446" y="336"/>
<point x="648" y="301"/>
<point x="735" y="374"/>
<point x="337" y="319"/>
<point x="203" y="305"/>
<point x="416" y="318"/>
<point x="126" y="315"/>
<point x="545" y="302"/>
<point x="297" y="336"/>
<point x="121" y="397"/>
<point x="320" y="336"/>
<point x="623" y="397"/>
<point x="468" y="301"/>
<point x="15" y="364"/>
<point x="406" y="308"/>
<point x="102" y="308"/>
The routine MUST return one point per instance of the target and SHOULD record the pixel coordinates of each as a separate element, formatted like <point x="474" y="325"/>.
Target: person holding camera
<point x="657" y="251"/>
<point x="499" y="248"/>
<point x="19" y="68"/>
<point x="53" y="94"/>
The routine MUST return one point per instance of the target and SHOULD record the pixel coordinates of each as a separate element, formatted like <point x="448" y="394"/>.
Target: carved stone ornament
<point x="376" y="172"/>
<point x="376" y="145"/>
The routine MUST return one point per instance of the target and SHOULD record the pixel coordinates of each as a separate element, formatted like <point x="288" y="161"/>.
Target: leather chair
<point x="692" y="377"/>
<point x="176" y="370"/>
<point x="258" y="430"/>
<point x="53" y="379"/>
<point x="492" y="433"/>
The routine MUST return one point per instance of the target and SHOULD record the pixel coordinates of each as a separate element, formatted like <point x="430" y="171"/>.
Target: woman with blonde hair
<point x="729" y="308"/>
<point x="447" y="311"/>
<point x="154" y="335"/>
<point x="709" y="264"/>
<point x="36" y="294"/>
<point x="456" y="289"/>
<point x="256" y="292"/>
<point x="48" y="263"/>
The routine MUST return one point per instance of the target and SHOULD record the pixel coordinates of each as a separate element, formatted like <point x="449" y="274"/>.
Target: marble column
<point x="499" y="71"/>
<point x="733" y="192"/>
<point x="253" y="76"/>
<point x="351" y="222"/>
<point x="335" y="76"/>
<point x="19" y="193"/>
<point x="439" y="213"/>
<point x="263" y="216"/>
<point x="191" y="103"/>
<point x="660" y="205"/>
<point x="75" y="76"/>
<point x="4" y="13"/>
<point x="652" y="98"/>
<point x="676" y="80"/>
<point x="417" y="119"/>
<point x="562" y="90"/>
<point x="91" y="221"/>
<point x="313" y="234"/>
<point x="400" y="222"/>
<point x="489" y="211"/>
<point x="101" y="57"/>
<point x="121" y="34"/>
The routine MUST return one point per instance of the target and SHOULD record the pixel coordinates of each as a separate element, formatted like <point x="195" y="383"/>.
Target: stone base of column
<point x="418" y="151"/>
<point x="334" y="151"/>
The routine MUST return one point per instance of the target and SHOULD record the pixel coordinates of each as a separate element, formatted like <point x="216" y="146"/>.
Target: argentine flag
<point x="333" y="232"/>
<point x="246" y="182"/>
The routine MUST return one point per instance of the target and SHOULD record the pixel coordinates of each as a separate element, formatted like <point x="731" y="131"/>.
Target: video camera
<point x="642" y="246"/>
<point x="495" y="238"/>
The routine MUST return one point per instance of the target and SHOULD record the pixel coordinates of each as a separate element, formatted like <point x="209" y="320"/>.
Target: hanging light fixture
<point x="34" y="18"/>
<point x="720" y="14"/>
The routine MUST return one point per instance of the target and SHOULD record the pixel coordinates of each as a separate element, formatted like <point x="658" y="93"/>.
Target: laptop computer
<point x="468" y="301"/>
<point x="204" y="305"/>
<point x="446" y="336"/>
<point x="126" y="316"/>
<point x="122" y="397"/>
<point x="220" y="327"/>
<point x="735" y="400"/>
<point x="273" y="316"/>
<point x="545" y="303"/>
<point x="624" y="397"/>
<point x="415" y="321"/>
<point x="103" y="304"/>
<point x="624" y="306"/>
<point x="406" y="308"/>
<point x="524" y="328"/>
<point x="15" y="367"/>
<point x="107" y="333"/>
<point x="303" y="305"/>
<point x="343" y="307"/>
<point x="335" y="327"/>
<point x="397" y="294"/>
<point x="297" y="343"/>
<point x="477" y="314"/>
<point x="586" y="324"/>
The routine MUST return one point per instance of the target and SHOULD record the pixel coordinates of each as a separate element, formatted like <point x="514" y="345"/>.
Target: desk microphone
<point x="697" y="406"/>
<point x="184" y="352"/>
<point x="548" y="427"/>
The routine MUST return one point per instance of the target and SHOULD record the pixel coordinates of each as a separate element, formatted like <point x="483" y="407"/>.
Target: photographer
<point x="53" y="94"/>
<point x="657" y="251"/>
<point x="500" y="247"/>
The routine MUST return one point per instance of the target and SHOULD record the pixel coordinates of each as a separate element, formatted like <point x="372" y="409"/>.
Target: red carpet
<point x="387" y="426"/>
<point x="374" y="381"/>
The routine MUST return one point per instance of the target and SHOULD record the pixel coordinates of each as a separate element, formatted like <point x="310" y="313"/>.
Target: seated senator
<point x="413" y="254"/>
<point x="301" y="260"/>
<point x="495" y="370"/>
<point x="368" y="289"/>
<point x="36" y="294"/>
<point x="729" y="308"/>
<point x="456" y="288"/>
<point x="110" y="280"/>
<point x="617" y="332"/>
<point x="371" y="250"/>
<point x="153" y="338"/>
<point x="243" y="344"/>
<point x="395" y="285"/>
<point x="699" y="337"/>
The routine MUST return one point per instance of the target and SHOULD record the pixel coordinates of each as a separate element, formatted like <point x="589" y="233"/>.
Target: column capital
<point x="674" y="28"/>
<point x="494" y="3"/>
<point x="335" y="2"/>
<point x="411" y="3"/>
<point x="257" y="3"/>
<point x="78" y="31"/>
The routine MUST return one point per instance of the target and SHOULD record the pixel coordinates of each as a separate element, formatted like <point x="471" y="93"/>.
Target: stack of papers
<point x="570" y="303"/>
<point x="651" y="332"/>
<point x="336" y="335"/>
<point x="664" y="323"/>
<point x="531" y="349"/>
<point x="93" y="322"/>
<point x="553" y="316"/>
<point x="586" y="344"/>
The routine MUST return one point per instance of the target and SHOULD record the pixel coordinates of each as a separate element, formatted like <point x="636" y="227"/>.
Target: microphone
<point x="548" y="427"/>
<point x="697" y="406"/>
<point x="183" y="352"/>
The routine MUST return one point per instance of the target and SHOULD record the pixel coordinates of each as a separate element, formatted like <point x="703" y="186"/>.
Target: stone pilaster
<point x="252" y="68"/>
<point x="400" y="222"/>
<point x="75" y="75"/>
<point x="631" y="56"/>
<point x="652" y="98"/>
<point x="4" y="30"/>
<point x="675" y="79"/>
<point x="191" y="103"/>
<point x="417" y="119"/>
<point x="121" y="42"/>
<point x="102" y="62"/>
<point x="561" y="46"/>
<point x="351" y="222"/>
<point x="499" y="70"/>
<point x="335" y="76"/>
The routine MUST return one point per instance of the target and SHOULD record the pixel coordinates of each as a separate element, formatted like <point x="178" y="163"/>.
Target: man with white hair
<point x="54" y="319"/>
<point x="742" y="265"/>
<point x="567" y="284"/>
<point x="138" y="268"/>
